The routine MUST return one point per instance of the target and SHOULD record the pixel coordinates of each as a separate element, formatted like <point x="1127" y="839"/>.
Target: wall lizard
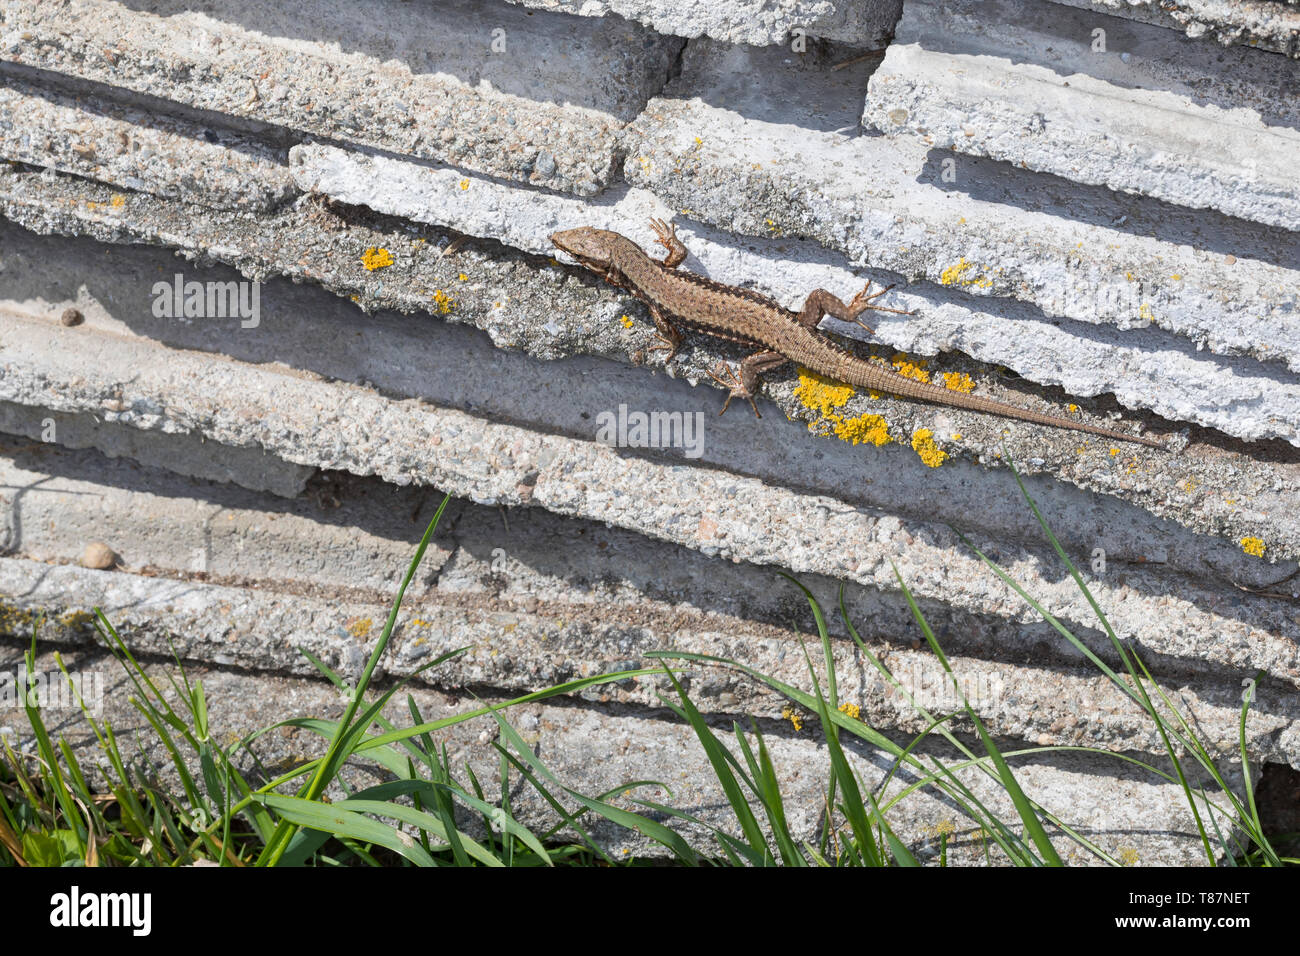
<point x="678" y="297"/>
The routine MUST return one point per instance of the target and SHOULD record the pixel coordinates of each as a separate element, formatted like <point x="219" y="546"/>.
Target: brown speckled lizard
<point x="677" y="297"/>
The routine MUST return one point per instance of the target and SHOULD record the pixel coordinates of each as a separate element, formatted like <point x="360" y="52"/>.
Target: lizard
<point x="679" y="297"/>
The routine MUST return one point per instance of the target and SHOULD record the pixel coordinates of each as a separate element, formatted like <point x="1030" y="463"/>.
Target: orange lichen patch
<point x="958" y="381"/>
<point x="118" y="201"/>
<point x="442" y="302"/>
<point x="924" y="445"/>
<point x="872" y="429"/>
<point x="1072" y="408"/>
<point x="376" y="257"/>
<point x="908" y="369"/>
<point x="1253" y="546"/>
<point x="820" y="393"/>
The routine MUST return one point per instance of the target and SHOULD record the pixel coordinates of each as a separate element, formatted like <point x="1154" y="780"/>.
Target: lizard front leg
<point x="669" y="336"/>
<point x="751" y="367"/>
<point x="668" y="239"/>
<point x="821" y="303"/>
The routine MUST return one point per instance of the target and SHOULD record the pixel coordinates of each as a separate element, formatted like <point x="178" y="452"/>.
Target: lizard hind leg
<point x="821" y="303"/>
<point x="744" y="385"/>
<point x="669" y="336"/>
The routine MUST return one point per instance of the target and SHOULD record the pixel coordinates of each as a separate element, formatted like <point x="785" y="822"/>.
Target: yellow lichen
<point x="76" y="618"/>
<point x="958" y="381"/>
<point x="924" y="445"/>
<point x="872" y="429"/>
<point x="118" y="201"/>
<point x="1145" y="313"/>
<point x="442" y="302"/>
<point x="627" y="321"/>
<point x="1253" y="546"/>
<point x="464" y="184"/>
<point x="908" y="369"/>
<point x="376" y="257"/>
<point x="359" y="627"/>
<point x="944" y="827"/>
<point x="1127" y="856"/>
<point x="850" y="710"/>
<point x="1072" y="408"/>
<point x="820" y="393"/>
<point x="959" y="274"/>
<point x="792" y="715"/>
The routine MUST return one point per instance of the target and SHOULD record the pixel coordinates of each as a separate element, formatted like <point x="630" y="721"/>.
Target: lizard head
<point x="591" y="247"/>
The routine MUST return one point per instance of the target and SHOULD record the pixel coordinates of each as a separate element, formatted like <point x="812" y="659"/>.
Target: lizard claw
<point x="727" y="378"/>
<point x="666" y="345"/>
<point x="862" y="301"/>
<point x="665" y="232"/>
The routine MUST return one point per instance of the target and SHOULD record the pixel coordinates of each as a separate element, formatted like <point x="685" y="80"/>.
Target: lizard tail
<point x="943" y="396"/>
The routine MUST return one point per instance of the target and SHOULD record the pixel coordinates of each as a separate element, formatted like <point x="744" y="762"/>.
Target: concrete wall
<point x="1108" y="231"/>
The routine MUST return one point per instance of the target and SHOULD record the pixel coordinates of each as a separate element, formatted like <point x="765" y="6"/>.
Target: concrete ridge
<point x="430" y="80"/>
<point x="1022" y="82"/>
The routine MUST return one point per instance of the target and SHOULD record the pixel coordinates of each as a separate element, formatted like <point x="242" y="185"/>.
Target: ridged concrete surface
<point x="389" y="176"/>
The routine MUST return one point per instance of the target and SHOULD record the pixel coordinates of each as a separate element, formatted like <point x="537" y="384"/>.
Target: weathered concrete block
<point x="1264" y="24"/>
<point x="757" y="22"/>
<point x="139" y="150"/>
<point x="1132" y="107"/>
<point x="509" y="94"/>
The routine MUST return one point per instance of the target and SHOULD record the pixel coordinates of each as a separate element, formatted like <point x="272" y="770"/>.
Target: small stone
<point x="72" y="317"/>
<point x="98" y="556"/>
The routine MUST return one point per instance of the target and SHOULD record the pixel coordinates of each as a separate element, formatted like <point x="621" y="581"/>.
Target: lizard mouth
<point x="562" y="248"/>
